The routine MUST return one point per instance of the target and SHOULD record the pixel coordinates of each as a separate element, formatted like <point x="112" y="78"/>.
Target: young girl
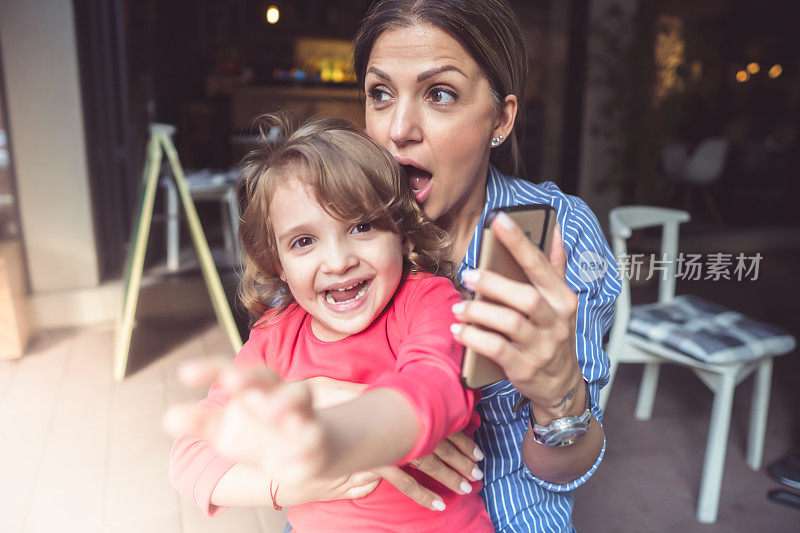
<point x="341" y="268"/>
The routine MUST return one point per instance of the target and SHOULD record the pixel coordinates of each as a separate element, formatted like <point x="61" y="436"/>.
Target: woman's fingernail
<point x="456" y="328"/>
<point x="505" y="221"/>
<point x="458" y="308"/>
<point x="470" y="276"/>
<point x="476" y="473"/>
<point x="477" y="454"/>
<point x="438" y="505"/>
<point x="466" y="488"/>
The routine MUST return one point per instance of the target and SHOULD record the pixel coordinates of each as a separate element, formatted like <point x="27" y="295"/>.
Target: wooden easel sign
<point x="160" y="143"/>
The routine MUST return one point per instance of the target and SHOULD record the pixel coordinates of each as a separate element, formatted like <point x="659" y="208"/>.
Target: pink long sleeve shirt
<point x="408" y="348"/>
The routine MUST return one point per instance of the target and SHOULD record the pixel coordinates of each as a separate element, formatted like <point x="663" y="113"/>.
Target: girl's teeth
<point x="361" y="292"/>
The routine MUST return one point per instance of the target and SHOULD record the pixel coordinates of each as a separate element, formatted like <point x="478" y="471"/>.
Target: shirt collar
<point x="499" y="193"/>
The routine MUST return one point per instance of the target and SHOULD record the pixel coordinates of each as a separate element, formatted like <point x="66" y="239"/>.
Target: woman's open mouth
<point x="419" y="179"/>
<point x="346" y="295"/>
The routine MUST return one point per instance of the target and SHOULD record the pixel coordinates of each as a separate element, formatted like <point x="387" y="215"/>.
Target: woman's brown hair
<point x="490" y="32"/>
<point x="353" y="178"/>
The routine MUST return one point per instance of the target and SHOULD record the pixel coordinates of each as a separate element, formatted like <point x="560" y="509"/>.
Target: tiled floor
<point x="81" y="453"/>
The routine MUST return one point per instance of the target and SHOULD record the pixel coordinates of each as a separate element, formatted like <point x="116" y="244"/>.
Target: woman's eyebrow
<point x="381" y="74"/>
<point x="438" y="70"/>
<point x="423" y="75"/>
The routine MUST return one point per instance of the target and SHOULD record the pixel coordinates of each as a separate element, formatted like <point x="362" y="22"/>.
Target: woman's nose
<point x="406" y="124"/>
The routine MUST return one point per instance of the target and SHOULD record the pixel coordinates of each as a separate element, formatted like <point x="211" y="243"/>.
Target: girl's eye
<point x="362" y="227"/>
<point x="302" y="242"/>
<point x="439" y="95"/>
<point x="378" y="95"/>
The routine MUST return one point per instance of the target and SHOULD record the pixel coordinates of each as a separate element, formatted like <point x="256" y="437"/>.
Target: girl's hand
<point x="255" y="428"/>
<point x="532" y="334"/>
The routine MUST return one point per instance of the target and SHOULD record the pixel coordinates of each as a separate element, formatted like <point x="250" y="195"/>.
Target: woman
<point x="444" y="83"/>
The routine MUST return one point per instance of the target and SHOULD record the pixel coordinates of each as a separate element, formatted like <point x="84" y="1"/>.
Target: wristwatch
<point x="563" y="431"/>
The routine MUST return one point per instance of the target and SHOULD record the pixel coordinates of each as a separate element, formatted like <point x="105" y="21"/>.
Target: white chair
<point x="699" y="170"/>
<point x="659" y="345"/>
<point x="707" y="161"/>
<point x="204" y="184"/>
<point x="674" y="158"/>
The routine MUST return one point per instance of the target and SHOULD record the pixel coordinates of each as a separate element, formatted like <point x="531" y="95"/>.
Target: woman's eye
<point x="302" y="242"/>
<point x="378" y="95"/>
<point x="442" y="96"/>
<point x="363" y="227"/>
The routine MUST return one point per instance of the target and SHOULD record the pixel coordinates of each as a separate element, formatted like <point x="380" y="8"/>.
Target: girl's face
<point x="430" y="105"/>
<point x="342" y="274"/>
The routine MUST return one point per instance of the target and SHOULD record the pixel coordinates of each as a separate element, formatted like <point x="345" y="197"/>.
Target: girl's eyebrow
<point x="294" y="230"/>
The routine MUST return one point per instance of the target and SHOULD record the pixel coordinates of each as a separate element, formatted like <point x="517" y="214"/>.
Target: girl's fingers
<point x="411" y="488"/>
<point x="233" y="379"/>
<point x="361" y="489"/>
<point x="547" y="277"/>
<point x="363" y="478"/>
<point x="201" y="372"/>
<point x="181" y="420"/>
<point x="190" y="419"/>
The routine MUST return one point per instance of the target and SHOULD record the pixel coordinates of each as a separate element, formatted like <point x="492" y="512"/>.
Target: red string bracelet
<point x="274" y="495"/>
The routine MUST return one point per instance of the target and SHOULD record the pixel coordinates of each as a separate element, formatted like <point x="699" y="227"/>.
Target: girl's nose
<point x="339" y="258"/>
<point x="406" y="124"/>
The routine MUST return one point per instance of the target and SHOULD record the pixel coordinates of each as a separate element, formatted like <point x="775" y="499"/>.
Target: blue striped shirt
<point x="516" y="499"/>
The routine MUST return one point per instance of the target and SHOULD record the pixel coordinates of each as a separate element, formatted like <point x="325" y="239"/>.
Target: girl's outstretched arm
<point x="244" y="486"/>
<point x="239" y="485"/>
<point x="273" y="428"/>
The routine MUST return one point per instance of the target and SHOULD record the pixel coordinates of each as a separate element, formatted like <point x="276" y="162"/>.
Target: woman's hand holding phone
<point x="528" y="329"/>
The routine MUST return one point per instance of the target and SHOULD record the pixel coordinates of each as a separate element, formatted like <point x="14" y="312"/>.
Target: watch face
<point x="563" y="437"/>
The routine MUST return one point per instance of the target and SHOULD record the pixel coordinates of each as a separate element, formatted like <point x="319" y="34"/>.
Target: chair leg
<point x="227" y="236"/>
<point x="714" y="461"/>
<point x="173" y="226"/>
<point x="647" y="391"/>
<point x="713" y="207"/>
<point x="759" y="409"/>
<point x="606" y="391"/>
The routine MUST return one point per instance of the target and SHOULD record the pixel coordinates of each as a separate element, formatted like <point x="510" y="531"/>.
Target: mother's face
<point x="430" y="105"/>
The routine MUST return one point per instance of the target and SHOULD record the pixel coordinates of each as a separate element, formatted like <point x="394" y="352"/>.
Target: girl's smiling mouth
<point x="346" y="295"/>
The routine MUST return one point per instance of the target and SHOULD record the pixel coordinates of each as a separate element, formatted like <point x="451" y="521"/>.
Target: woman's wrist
<point x="570" y="403"/>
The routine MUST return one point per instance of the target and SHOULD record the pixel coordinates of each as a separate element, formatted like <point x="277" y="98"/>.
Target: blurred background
<point x="678" y="103"/>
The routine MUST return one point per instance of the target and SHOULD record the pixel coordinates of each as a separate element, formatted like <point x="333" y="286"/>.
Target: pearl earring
<point x="495" y="141"/>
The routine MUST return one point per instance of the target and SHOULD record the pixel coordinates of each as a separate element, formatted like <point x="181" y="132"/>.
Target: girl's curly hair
<point x="353" y="178"/>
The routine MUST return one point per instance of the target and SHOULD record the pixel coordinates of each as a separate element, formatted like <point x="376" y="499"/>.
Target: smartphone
<point x="537" y="222"/>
